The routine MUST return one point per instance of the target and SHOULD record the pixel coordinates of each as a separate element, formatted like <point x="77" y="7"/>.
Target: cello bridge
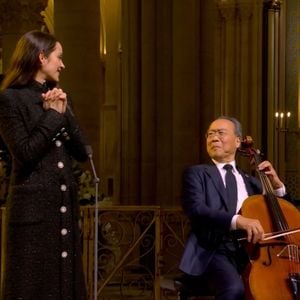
<point x="291" y="252"/>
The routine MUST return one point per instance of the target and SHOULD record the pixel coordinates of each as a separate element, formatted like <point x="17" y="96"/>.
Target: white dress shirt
<point x="241" y="187"/>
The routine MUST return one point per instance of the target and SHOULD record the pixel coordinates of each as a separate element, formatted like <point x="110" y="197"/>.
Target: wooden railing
<point x="137" y="246"/>
<point x="2" y="244"/>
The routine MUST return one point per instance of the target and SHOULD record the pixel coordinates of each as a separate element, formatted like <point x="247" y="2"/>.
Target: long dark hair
<point x="25" y="59"/>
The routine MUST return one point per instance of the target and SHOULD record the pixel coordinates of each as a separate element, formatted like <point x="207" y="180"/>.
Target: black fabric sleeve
<point x="24" y="145"/>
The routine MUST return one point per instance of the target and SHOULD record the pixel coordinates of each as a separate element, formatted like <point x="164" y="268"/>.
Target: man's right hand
<point x="255" y="231"/>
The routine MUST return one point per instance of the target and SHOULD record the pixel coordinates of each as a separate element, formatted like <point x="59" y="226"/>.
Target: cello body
<point x="271" y="264"/>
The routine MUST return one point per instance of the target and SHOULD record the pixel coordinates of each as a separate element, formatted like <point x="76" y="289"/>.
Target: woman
<point x="43" y="257"/>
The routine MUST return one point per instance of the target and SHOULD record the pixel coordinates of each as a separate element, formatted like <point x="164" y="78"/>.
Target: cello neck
<point x="275" y="211"/>
<point x="277" y="216"/>
<point x="266" y="184"/>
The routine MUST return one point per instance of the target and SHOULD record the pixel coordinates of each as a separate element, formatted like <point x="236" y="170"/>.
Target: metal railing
<point x="137" y="247"/>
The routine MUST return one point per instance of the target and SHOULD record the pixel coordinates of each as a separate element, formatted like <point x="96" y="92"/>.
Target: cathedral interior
<point x="146" y="78"/>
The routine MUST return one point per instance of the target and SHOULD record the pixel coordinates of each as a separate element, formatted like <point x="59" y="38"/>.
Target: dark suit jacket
<point x="204" y="201"/>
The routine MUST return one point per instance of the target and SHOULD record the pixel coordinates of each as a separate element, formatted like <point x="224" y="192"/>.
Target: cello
<point x="274" y="269"/>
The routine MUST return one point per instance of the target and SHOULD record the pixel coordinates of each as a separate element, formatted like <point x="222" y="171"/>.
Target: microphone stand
<point x="96" y="182"/>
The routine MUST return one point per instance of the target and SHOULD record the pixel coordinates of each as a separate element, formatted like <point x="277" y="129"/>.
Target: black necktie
<point x="231" y="188"/>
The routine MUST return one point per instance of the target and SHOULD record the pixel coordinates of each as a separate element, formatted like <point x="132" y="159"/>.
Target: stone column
<point x="16" y="18"/>
<point x="245" y="13"/>
<point x="271" y="87"/>
<point x="253" y="112"/>
<point x="77" y="26"/>
<point x="248" y="85"/>
<point x="227" y="55"/>
<point x="238" y="78"/>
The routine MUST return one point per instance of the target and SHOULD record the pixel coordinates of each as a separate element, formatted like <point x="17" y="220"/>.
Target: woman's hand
<point x="55" y="99"/>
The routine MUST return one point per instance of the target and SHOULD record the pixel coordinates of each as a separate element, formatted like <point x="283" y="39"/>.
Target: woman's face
<point x="51" y="65"/>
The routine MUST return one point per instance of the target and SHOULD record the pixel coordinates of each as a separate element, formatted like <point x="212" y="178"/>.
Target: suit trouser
<point x="225" y="278"/>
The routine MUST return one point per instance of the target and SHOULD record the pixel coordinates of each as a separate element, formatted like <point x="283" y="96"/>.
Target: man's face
<point x="221" y="140"/>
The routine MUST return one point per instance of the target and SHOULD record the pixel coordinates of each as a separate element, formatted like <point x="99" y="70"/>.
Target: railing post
<point x="2" y="244"/>
<point x="157" y="255"/>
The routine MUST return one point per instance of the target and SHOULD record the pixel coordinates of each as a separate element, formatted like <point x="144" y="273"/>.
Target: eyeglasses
<point x="219" y="133"/>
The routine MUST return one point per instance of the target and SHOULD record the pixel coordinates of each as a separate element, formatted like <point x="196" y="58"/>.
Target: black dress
<point x="43" y="256"/>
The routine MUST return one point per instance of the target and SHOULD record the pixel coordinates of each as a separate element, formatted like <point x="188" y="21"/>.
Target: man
<point x="210" y="250"/>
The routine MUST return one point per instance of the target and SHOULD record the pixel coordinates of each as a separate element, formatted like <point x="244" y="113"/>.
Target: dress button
<point x="63" y="187"/>
<point x="58" y="143"/>
<point x="64" y="231"/>
<point x="64" y="254"/>
<point x="63" y="209"/>
<point x="60" y="164"/>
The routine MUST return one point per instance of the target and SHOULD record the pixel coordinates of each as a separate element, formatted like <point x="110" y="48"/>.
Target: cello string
<point x="290" y="255"/>
<point x="293" y="251"/>
<point x="297" y="261"/>
<point x="277" y="215"/>
<point x="294" y="254"/>
<point x="296" y="258"/>
<point x="273" y="202"/>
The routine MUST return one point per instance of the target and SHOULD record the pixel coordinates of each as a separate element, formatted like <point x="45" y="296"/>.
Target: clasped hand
<point x="55" y="99"/>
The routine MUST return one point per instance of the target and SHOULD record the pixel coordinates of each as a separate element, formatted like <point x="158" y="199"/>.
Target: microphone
<point x="72" y="114"/>
<point x="89" y="152"/>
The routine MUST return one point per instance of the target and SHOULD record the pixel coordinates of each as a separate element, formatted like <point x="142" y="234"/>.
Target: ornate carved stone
<point x="48" y="15"/>
<point x="227" y="9"/>
<point x="21" y="15"/>
<point x="273" y="4"/>
<point x="245" y="9"/>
